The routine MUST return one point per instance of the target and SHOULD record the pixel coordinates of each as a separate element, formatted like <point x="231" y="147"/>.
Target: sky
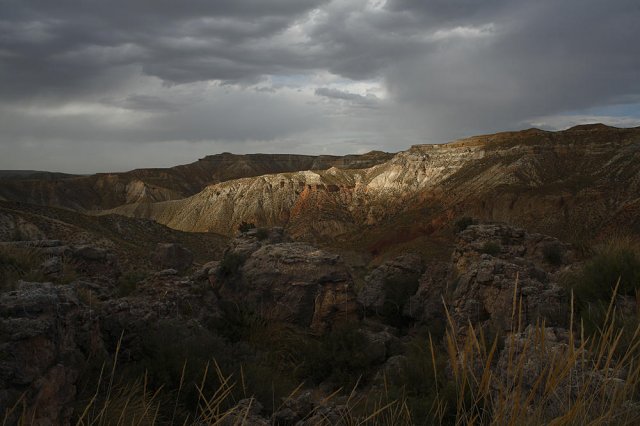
<point x="96" y="86"/>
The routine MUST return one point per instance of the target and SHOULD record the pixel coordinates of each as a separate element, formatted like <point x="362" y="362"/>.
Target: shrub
<point x="417" y="382"/>
<point x="340" y="356"/>
<point x="463" y="223"/>
<point x="128" y="281"/>
<point x="616" y="260"/>
<point x="230" y="264"/>
<point x="245" y="226"/>
<point x="552" y="254"/>
<point x="19" y="264"/>
<point x="532" y="381"/>
<point x="491" y="247"/>
<point x="262" y="234"/>
<point x="237" y="323"/>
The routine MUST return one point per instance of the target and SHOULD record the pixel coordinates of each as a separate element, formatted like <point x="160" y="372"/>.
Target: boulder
<point x="427" y="305"/>
<point x="292" y="282"/>
<point x="305" y="410"/>
<point x="388" y="287"/>
<point x="93" y="262"/>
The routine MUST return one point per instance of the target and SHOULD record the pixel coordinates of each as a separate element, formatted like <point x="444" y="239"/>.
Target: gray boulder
<point x="292" y="282"/>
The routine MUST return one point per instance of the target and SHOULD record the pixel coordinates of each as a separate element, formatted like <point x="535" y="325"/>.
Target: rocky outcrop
<point x="544" y="370"/>
<point x="47" y="335"/>
<point x="490" y="266"/>
<point x="293" y="282"/>
<point x="49" y="330"/>
<point x="387" y="288"/>
<point x="500" y="280"/>
<point x="426" y="306"/>
<point x="14" y="227"/>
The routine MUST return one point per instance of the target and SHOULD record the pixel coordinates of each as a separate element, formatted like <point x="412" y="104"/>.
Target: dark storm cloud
<point x="74" y="46"/>
<point x="236" y="71"/>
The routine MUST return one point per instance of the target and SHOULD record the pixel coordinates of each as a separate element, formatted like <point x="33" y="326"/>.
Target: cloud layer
<point x="95" y="86"/>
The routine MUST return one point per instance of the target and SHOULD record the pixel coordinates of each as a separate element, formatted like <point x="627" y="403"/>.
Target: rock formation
<point x="523" y="178"/>
<point x="109" y="190"/>
<point x="287" y="281"/>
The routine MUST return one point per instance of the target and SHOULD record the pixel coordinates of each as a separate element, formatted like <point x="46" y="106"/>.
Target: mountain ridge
<point x="525" y="177"/>
<point x="108" y="190"/>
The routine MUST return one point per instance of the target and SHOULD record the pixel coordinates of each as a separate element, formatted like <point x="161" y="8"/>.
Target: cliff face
<point x="109" y="190"/>
<point x="580" y="180"/>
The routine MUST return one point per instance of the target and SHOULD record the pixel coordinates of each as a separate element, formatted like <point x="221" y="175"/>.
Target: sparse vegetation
<point x="553" y="254"/>
<point x="491" y="247"/>
<point x="262" y="234"/>
<point x="19" y="264"/>
<point x="615" y="260"/>
<point x="463" y="223"/>
<point x="246" y="226"/>
<point x="230" y="264"/>
<point x="129" y="280"/>
<point x="340" y="356"/>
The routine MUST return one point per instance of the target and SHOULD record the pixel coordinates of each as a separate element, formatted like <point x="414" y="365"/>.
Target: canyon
<point x="304" y="277"/>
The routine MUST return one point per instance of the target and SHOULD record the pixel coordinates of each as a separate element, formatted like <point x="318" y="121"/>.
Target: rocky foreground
<point x="55" y="330"/>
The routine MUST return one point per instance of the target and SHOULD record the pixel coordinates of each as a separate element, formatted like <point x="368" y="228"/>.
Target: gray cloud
<point x="293" y="72"/>
<point x="369" y="100"/>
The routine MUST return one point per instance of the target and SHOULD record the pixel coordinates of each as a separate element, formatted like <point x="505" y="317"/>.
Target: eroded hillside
<point x="572" y="183"/>
<point x="108" y="190"/>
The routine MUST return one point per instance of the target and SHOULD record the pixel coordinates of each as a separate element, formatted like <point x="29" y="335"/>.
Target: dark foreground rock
<point x="492" y="267"/>
<point x="292" y="282"/>
<point x="47" y="334"/>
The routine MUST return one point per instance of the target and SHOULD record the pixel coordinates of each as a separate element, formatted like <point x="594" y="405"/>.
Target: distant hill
<point x="109" y="190"/>
<point x="574" y="184"/>
<point x="134" y="240"/>
<point x="33" y="174"/>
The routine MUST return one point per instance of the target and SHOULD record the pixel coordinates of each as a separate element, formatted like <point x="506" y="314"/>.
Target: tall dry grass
<point x="541" y="376"/>
<point x="544" y="375"/>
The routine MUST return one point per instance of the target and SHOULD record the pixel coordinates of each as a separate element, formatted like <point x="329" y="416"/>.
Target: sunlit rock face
<point x="584" y="179"/>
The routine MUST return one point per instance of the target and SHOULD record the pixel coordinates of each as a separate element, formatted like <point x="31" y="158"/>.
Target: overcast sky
<point x="110" y="85"/>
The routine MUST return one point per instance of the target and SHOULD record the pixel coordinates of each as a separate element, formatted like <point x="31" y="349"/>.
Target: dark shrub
<point x="340" y="356"/>
<point x="230" y="264"/>
<point x="245" y="226"/>
<point x="397" y="294"/>
<point x="463" y="223"/>
<point x="553" y="254"/>
<point x="262" y="234"/>
<point x="612" y="262"/>
<point x="491" y="247"/>
<point x="128" y="281"/>
<point x="19" y="264"/>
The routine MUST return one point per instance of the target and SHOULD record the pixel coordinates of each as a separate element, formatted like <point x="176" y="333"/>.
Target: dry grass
<point x="541" y="379"/>
<point x="542" y="376"/>
<point x="17" y="263"/>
